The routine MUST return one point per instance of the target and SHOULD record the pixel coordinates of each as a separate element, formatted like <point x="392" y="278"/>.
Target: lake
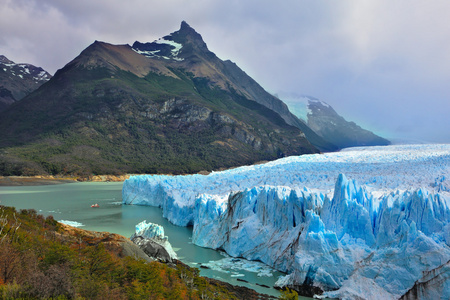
<point x="71" y="203"/>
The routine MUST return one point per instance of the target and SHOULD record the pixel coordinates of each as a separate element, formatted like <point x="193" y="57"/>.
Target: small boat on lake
<point x="95" y="205"/>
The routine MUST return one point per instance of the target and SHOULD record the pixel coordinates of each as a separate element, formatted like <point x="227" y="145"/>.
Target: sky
<point x="384" y="64"/>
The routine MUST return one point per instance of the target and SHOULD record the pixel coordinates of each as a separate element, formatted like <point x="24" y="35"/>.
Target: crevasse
<point x="370" y="239"/>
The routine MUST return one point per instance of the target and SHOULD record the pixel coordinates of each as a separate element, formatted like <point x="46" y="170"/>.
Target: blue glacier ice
<point x="375" y="232"/>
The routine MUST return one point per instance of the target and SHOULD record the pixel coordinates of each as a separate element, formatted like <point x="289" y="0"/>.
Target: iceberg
<point x="380" y="230"/>
<point x="150" y="238"/>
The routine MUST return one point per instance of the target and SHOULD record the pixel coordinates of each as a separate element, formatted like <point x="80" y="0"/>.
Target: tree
<point x="288" y="294"/>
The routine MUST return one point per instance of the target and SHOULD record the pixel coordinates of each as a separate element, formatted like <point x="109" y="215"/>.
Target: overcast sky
<point x="384" y="64"/>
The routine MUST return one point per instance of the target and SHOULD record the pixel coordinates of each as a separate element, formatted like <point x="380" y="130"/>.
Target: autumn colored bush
<point x="39" y="259"/>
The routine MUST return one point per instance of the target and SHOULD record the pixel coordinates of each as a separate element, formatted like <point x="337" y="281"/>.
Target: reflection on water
<point x="72" y="203"/>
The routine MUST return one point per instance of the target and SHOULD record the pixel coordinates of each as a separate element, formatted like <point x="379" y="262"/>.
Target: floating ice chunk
<point x="229" y="264"/>
<point x="155" y="233"/>
<point x="71" y="223"/>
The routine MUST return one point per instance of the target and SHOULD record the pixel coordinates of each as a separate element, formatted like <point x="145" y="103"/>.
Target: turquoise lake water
<point x="72" y="202"/>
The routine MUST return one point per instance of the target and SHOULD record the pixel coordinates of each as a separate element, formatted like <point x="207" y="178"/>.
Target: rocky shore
<point x="50" y="179"/>
<point x="123" y="246"/>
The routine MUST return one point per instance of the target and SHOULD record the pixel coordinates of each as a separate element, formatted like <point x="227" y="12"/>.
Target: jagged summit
<point x="187" y="34"/>
<point x="176" y="46"/>
<point x="185" y="26"/>
<point x="186" y="49"/>
<point x="186" y="29"/>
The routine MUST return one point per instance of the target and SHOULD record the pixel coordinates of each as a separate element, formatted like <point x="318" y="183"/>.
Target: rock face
<point x="169" y="106"/>
<point x="150" y="238"/>
<point x="18" y="80"/>
<point x="328" y="124"/>
<point x="152" y="249"/>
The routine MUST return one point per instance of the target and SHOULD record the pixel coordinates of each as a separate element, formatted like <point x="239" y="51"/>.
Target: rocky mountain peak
<point x="188" y="32"/>
<point x="176" y="46"/>
<point x="18" y="80"/>
<point x="187" y="35"/>
<point x="186" y="27"/>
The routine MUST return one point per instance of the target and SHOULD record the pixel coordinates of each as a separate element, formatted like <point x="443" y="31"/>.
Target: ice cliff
<point x="376" y="231"/>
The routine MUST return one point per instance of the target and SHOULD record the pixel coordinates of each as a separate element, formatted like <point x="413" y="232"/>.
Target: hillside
<point x="71" y="263"/>
<point x="170" y="106"/>
<point x="18" y="80"/>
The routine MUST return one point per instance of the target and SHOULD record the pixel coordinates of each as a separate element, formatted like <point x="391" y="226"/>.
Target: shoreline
<point x="58" y="179"/>
<point x="51" y="180"/>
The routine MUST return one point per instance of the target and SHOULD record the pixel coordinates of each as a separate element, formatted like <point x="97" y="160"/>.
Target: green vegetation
<point x="288" y="294"/>
<point x="99" y="121"/>
<point x="39" y="259"/>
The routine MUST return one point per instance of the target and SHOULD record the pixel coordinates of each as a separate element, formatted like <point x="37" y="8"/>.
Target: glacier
<point x="363" y="222"/>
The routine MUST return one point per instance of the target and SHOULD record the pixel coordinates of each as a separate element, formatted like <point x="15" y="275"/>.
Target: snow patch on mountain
<point x="300" y="105"/>
<point x="176" y="46"/>
<point x="300" y="109"/>
<point x="152" y="50"/>
<point x="20" y="70"/>
<point x="373" y="235"/>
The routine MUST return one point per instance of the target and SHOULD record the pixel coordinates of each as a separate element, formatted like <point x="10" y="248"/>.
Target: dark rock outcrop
<point x="152" y="249"/>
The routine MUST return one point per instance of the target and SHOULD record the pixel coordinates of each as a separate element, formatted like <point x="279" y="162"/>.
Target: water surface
<point x="72" y="202"/>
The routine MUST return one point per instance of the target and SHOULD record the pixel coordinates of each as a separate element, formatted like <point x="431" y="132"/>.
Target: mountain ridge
<point x="327" y="123"/>
<point x="18" y="80"/>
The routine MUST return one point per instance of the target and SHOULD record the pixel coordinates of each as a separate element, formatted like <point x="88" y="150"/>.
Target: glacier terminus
<point x="368" y="222"/>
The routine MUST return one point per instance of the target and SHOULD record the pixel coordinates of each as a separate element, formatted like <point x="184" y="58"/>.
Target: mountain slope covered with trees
<point x="171" y="106"/>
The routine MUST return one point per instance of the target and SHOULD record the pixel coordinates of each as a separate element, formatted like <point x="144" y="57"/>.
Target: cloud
<point x="38" y="34"/>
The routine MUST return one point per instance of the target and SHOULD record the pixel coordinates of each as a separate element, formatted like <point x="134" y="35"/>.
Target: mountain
<point x="18" y="80"/>
<point x="327" y="123"/>
<point x="170" y="106"/>
<point x="189" y="50"/>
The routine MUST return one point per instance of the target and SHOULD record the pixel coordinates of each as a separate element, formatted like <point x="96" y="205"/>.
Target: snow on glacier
<point x="373" y="231"/>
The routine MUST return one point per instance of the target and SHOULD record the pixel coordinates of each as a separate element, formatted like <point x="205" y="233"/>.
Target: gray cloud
<point x="383" y="64"/>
